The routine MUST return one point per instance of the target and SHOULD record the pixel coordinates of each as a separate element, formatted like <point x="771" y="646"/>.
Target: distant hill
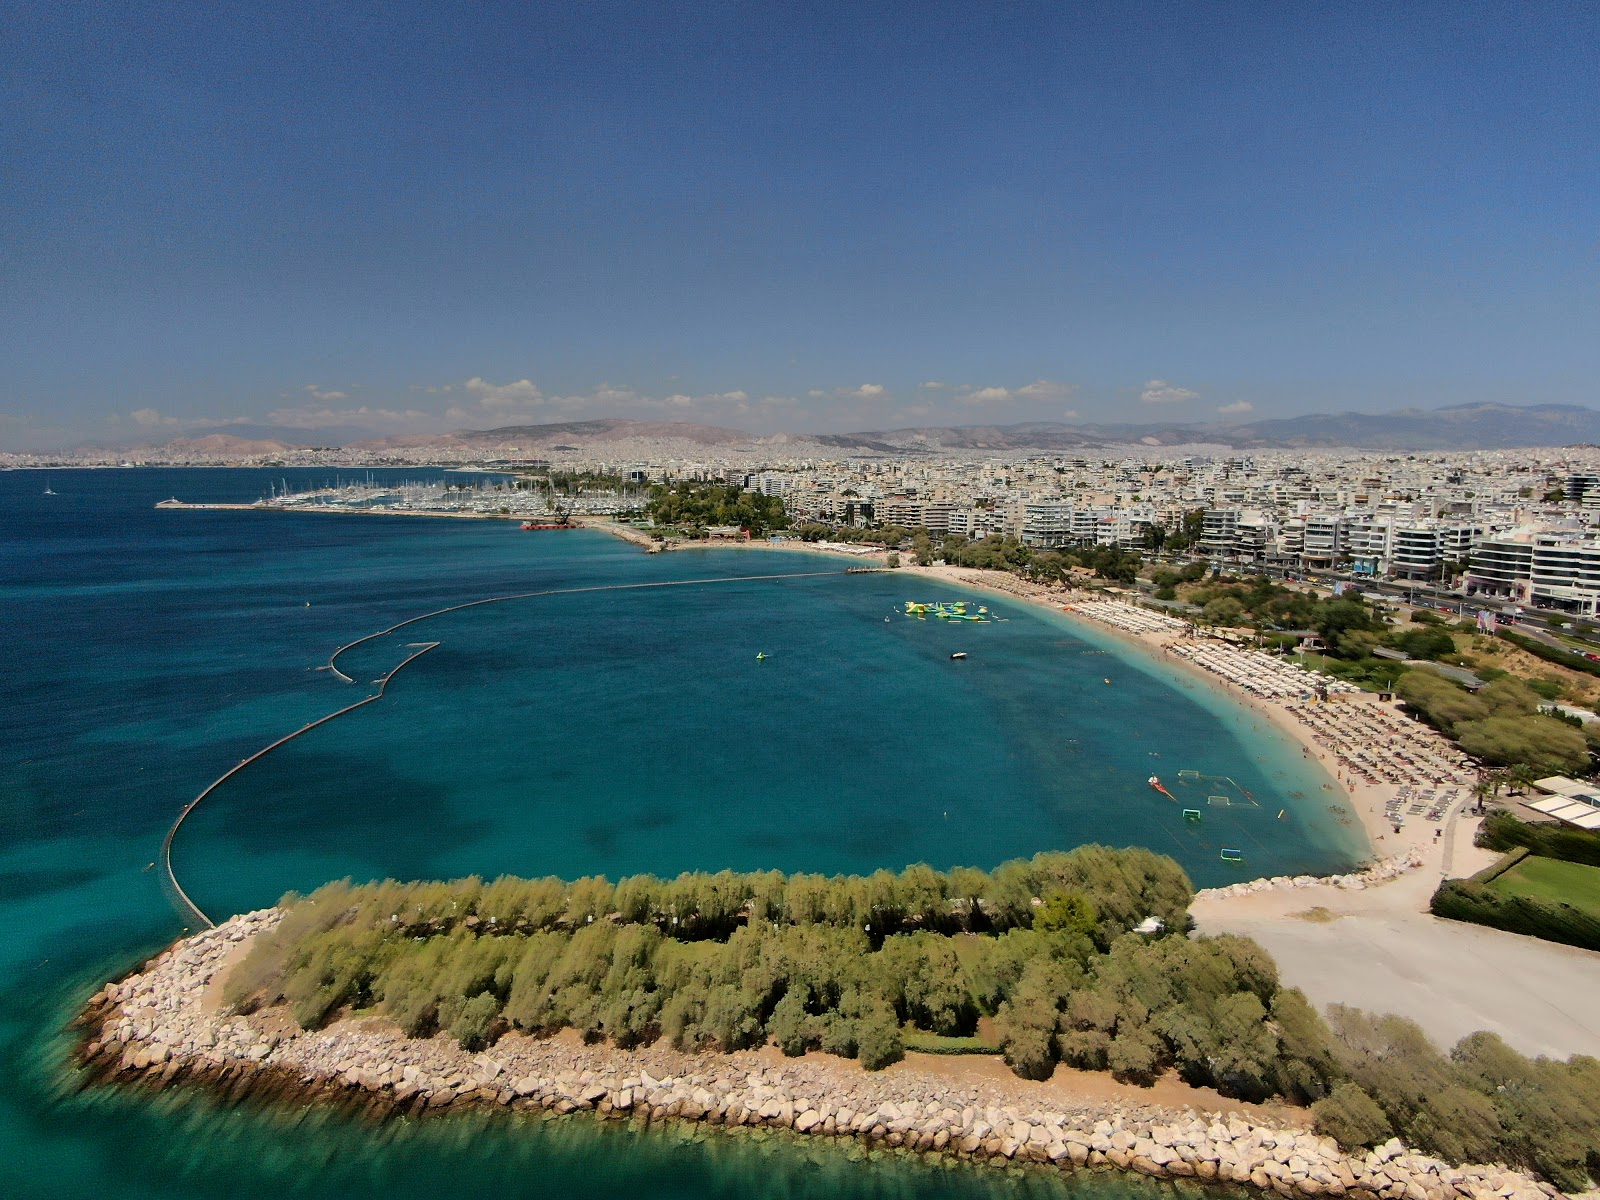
<point x="574" y="433"/>
<point x="1455" y="427"/>
<point x="608" y="430"/>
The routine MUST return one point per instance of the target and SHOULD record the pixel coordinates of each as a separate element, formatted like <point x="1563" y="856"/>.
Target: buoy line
<point x="182" y="900"/>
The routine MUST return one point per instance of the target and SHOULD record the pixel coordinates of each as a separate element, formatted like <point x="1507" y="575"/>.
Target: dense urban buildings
<point x="1514" y="525"/>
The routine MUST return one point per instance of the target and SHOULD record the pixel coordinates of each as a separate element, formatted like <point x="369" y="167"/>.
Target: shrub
<point x="1350" y="1117"/>
<point x="878" y="1039"/>
<point x="1463" y="900"/>
<point x="1572" y="661"/>
<point x="471" y="1026"/>
<point x="1502" y="831"/>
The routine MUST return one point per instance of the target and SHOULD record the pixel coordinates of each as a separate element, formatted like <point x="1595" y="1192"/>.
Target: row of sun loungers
<point x="1129" y="617"/>
<point x="1434" y="803"/>
<point x="1258" y="673"/>
<point x="1372" y="742"/>
<point x="1380" y="745"/>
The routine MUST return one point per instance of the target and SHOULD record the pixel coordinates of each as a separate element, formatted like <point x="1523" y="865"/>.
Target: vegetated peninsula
<point x="423" y="996"/>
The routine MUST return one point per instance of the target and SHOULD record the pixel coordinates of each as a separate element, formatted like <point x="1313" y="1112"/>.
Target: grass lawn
<point x="932" y="1043"/>
<point x="1551" y="879"/>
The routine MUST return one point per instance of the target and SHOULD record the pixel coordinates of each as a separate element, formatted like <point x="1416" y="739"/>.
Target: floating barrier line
<point x="186" y="905"/>
<point x="333" y="658"/>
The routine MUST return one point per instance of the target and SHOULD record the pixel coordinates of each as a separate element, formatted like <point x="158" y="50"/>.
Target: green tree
<point x="1068" y="912"/>
<point x="1350" y="1117"/>
<point x="1224" y="610"/>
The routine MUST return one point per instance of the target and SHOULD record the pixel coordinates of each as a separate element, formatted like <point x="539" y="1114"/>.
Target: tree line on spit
<point x="1043" y="947"/>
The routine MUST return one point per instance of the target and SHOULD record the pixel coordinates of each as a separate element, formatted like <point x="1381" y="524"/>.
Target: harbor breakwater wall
<point x="166" y="1024"/>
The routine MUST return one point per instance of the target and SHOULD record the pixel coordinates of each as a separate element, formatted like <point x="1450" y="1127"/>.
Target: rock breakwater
<point x="1355" y="881"/>
<point x="166" y="1023"/>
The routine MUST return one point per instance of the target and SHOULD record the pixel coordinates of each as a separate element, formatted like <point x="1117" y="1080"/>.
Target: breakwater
<point x="166" y="1024"/>
<point x="1355" y="881"/>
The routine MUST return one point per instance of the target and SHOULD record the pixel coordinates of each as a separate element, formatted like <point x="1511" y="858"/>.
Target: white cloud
<point x="520" y="394"/>
<point x="867" y="391"/>
<point x="1159" y="391"/>
<point x="1238" y="406"/>
<point x="497" y="402"/>
<point x="387" y="419"/>
<point x="1069" y="414"/>
<point x="1047" y="390"/>
<point x="932" y="385"/>
<point x="987" y="395"/>
<point x="153" y="419"/>
<point x="319" y="393"/>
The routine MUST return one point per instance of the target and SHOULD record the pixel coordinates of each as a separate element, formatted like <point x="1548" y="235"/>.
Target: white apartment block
<point x="1554" y="569"/>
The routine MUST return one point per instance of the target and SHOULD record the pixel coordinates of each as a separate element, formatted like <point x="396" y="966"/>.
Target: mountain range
<point x="1455" y="427"/>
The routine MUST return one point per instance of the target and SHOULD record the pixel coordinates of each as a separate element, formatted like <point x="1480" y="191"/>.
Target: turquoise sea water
<point x="613" y="732"/>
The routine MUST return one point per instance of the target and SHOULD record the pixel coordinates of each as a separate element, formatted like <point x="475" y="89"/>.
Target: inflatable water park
<point x="947" y="610"/>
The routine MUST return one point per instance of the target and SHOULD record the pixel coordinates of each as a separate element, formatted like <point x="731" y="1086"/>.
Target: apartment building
<point x="1554" y="569"/>
<point x="1048" y="523"/>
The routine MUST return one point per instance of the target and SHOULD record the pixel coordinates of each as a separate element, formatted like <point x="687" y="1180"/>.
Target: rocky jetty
<point x="166" y="1023"/>
<point x="1355" y="881"/>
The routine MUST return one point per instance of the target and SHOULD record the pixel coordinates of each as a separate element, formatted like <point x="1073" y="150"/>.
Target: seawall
<point x="166" y="1024"/>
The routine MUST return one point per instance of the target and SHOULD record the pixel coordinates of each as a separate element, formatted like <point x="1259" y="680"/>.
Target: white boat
<point x="959" y="654"/>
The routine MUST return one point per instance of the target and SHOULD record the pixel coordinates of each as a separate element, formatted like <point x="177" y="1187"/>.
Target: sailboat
<point x="48" y="490"/>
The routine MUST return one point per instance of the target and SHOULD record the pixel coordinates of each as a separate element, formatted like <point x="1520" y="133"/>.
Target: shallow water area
<point x="620" y="731"/>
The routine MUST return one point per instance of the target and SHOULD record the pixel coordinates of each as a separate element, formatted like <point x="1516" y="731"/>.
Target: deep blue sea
<point x="609" y="732"/>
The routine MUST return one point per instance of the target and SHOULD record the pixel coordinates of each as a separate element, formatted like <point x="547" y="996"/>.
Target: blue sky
<point x="415" y="217"/>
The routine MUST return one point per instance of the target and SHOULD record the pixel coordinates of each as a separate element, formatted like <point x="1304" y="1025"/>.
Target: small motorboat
<point x="761" y="656"/>
<point x="959" y="654"/>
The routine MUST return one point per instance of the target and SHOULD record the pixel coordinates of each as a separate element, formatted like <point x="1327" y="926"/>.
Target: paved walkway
<point x="1452" y="979"/>
<point x="1382" y="951"/>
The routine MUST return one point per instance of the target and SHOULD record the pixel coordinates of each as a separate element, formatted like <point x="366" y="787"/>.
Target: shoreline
<point x="164" y="1024"/>
<point x="1388" y="857"/>
<point x="1366" y="800"/>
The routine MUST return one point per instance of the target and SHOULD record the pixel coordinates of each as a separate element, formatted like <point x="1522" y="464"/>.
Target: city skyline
<point x="832" y="221"/>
